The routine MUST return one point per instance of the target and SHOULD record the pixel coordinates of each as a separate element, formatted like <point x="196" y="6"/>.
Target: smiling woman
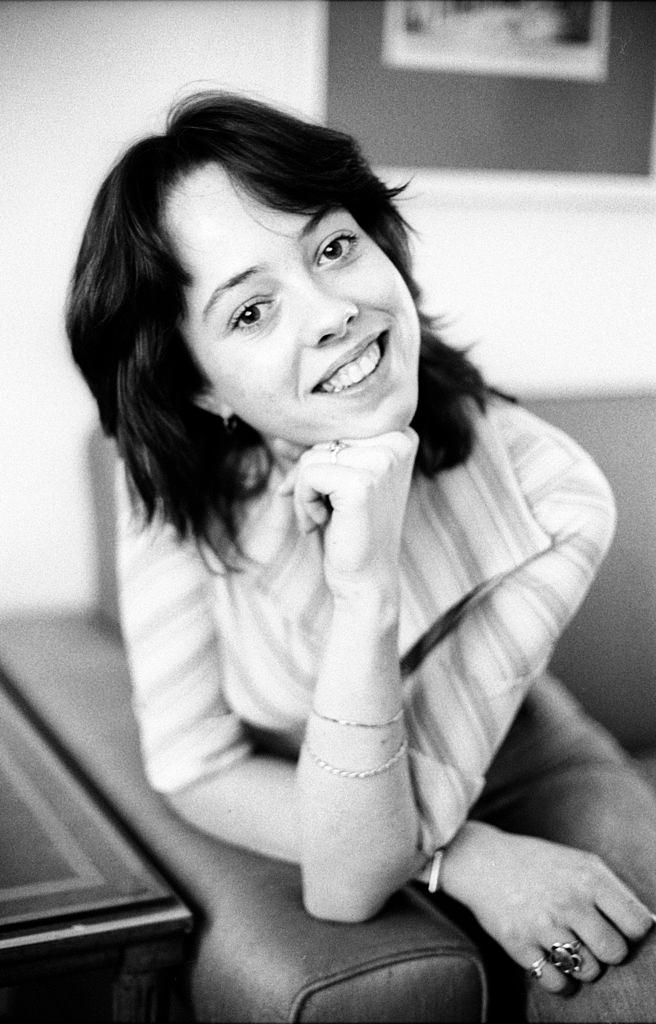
<point x="345" y="560"/>
<point x="159" y="232"/>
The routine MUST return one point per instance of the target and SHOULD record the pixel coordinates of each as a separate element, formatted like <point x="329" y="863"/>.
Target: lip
<point x="354" y="353"/>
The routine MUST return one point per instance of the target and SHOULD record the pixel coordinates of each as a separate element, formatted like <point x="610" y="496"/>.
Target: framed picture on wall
<point x="544" y="87"/>
<point x="544" y="40"/>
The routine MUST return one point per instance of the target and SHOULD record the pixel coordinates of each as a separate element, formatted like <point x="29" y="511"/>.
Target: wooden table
<point x="80" y="904"/>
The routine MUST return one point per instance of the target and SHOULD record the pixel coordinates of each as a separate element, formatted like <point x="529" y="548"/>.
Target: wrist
<point x="367" y="603"/>
<point x="466" y="859"/>
<point x="359" y="678"/>
<point x="431" y="872"/>
<point x="370" y="741"/>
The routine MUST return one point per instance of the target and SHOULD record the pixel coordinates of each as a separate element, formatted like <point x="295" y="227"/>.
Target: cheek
<point x="391" y="289"/>
<point x="251" y="382"/>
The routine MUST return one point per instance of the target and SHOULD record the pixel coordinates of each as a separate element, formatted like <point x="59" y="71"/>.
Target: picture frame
<point x="443" y="119"/>
<point x="542" y="40"/>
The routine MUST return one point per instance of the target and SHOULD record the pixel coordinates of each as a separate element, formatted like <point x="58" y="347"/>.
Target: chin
<point x="398" y="419"/>
<point x="401" y="417"/>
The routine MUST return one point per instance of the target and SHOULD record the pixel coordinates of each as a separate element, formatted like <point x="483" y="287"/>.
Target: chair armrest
<point x="261" y="957"/>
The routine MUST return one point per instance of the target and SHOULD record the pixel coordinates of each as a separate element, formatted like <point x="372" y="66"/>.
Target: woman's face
<point x="302" y="325"/>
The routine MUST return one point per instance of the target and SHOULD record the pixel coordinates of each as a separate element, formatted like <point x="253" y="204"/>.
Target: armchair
<point x="257" y="955"/>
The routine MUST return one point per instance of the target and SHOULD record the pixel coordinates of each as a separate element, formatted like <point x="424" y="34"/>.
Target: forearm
<point x="359" y="822"/>
<point x="254" y="804"/>
<point x="355" y="838"/>
<point x="359" y="674"/>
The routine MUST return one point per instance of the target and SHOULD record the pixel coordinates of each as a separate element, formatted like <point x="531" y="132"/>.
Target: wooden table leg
<point x="139" y="998"/>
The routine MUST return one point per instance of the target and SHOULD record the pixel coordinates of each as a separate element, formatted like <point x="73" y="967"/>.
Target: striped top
<point x="497" y="555"/>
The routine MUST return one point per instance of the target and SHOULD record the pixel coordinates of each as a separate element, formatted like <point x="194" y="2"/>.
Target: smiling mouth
<point x="356" y="370"/>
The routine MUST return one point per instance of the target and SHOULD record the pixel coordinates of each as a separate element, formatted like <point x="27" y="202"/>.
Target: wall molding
<point x="629" y="193"/>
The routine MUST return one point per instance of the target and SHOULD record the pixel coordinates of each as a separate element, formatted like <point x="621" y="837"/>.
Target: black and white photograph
<point x="327" y="519"/>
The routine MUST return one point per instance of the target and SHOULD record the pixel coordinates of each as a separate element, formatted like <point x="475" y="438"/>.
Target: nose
<point x="329" y="316"/>
<point x="335" y="333"/>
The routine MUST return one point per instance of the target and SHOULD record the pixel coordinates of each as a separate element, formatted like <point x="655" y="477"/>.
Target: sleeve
<point x="462" y="700"/>
<point x="187" y="730"/>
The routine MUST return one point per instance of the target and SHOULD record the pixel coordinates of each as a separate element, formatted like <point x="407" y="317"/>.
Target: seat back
<point x="607" y="656"/>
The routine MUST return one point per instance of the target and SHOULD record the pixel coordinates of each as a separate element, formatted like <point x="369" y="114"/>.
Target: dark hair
<point x="127" y="297"/>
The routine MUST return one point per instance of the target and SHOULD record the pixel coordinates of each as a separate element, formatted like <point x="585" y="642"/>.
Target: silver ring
<point x="565" y="957"/>
<point x="335" y="447"/>
<point x="535" y="970"/>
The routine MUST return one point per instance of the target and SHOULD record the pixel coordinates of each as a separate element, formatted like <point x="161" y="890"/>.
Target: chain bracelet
<point x="344" y="773"/>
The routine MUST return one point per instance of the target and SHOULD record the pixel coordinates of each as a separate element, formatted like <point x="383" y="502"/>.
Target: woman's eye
<point x="247" y="316"/>
<point x="338" y="247"/>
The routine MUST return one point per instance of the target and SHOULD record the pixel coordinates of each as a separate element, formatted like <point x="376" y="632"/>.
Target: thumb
<point x="286" y="487"/>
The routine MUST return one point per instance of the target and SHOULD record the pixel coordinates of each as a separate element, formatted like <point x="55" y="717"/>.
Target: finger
<point x="540" y="971"/>
<point x="621" y="906"/>
<point x="319" y="513"/>
<point x="401" y="445"/>
<point x="377" y="459"/>
<point x="590" y="968"/>
<point x="298" y="482"/>
<point x="397" y="440"/>
<point x="604" y="940"/>
<point x="396" y="447"/>
<point x="286" y="487"/>
<point x="311" y="508"/>
<point x="586" y="966"/>
<point x="610" y="947"/>
<point x="315" y="487"/>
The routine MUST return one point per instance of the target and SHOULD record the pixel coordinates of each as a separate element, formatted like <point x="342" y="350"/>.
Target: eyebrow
<point x="232" y="282"/>
<point x="244" y="275"/>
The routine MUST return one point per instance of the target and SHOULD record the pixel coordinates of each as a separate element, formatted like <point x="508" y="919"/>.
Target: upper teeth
<point x="355" y="371"/>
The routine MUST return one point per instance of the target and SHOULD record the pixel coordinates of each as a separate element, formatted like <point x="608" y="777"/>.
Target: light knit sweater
<point x="512" y="540"/>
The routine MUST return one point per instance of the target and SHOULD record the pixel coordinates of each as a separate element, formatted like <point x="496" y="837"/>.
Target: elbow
<point x="349" y="897"/>
<point x="342" y="905"/>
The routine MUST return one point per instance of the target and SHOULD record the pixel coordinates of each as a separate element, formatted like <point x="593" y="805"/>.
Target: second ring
<point x="335" y="447"/>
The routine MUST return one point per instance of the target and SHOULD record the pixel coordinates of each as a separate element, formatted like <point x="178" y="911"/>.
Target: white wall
<point x="555" y="280"/>
<point x="78" y="80"/>
<point x="552" y="279"/>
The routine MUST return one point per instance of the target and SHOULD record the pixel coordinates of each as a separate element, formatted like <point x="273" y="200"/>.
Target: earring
<point x="229" y="424"/>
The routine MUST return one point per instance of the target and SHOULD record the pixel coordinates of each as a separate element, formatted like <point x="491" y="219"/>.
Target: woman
<point x="345" y="560"/>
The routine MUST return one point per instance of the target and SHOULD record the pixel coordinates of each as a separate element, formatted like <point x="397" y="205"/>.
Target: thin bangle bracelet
<point x="434" y="876"/>
<point x="360" y="725"/>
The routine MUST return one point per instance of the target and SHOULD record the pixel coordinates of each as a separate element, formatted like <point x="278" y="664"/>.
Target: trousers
<point x="561" y="776"/>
